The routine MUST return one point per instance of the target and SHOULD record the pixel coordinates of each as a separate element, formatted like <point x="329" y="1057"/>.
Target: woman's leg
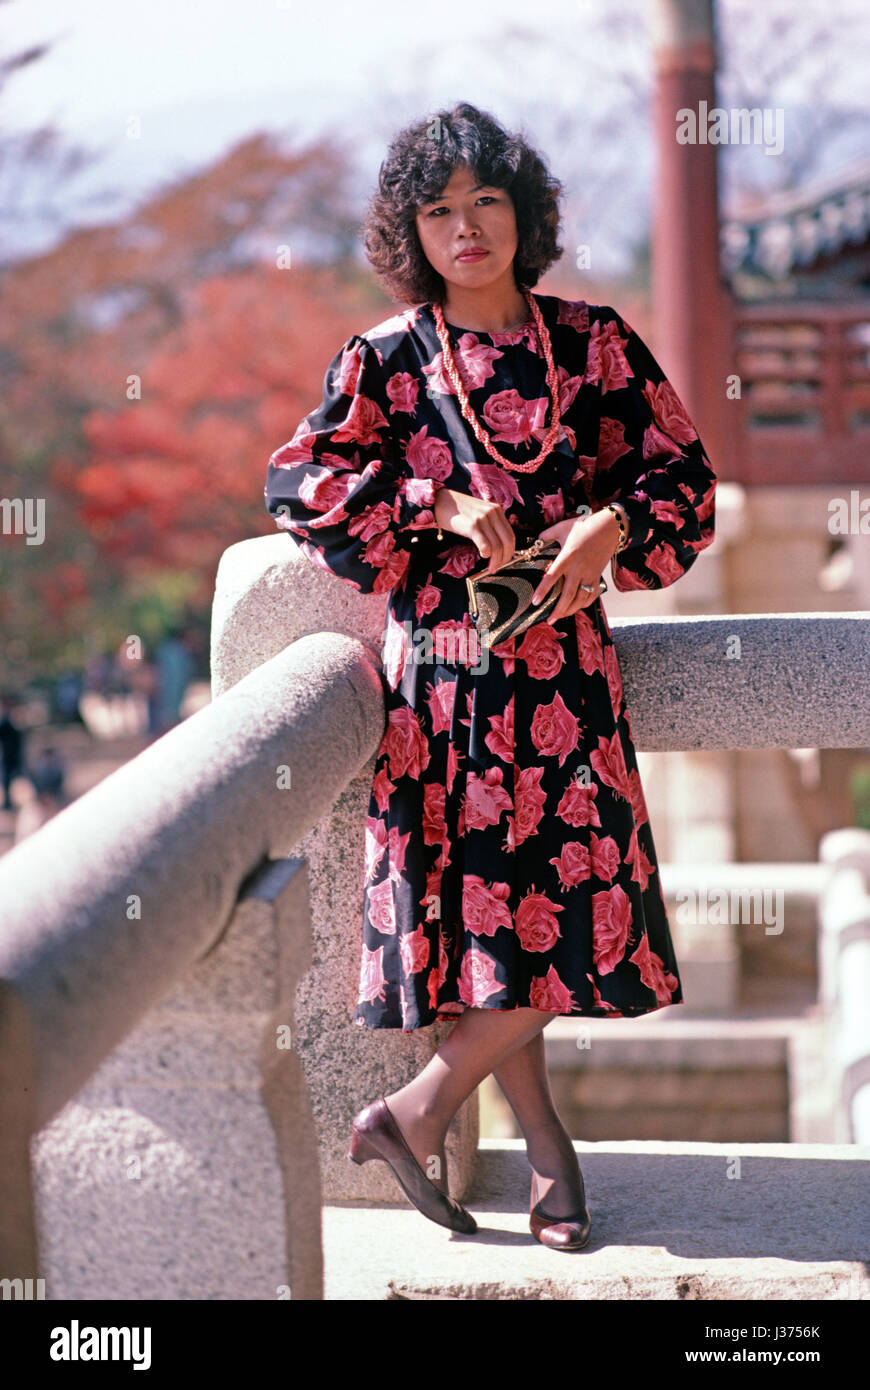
<point x="480" y="1040"/>
<point x="525" y="1085"/>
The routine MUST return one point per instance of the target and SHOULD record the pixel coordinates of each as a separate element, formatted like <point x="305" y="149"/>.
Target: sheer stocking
<point x="523" y="1080"/>
<point x="480" y="1041"/>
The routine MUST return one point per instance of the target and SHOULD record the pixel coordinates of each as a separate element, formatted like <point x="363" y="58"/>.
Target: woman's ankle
<point x="550" y="1149"/>
<point x="409" y="1112"/>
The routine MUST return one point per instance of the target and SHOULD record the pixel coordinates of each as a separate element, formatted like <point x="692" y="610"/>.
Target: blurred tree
<point x="186" y="300"/>
<point x="36" y="166"/>
<point x="175" y="478"/>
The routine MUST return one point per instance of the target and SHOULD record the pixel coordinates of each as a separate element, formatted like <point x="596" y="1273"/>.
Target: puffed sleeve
<point x="339" y="487"/>
<point x="650" y="460"/>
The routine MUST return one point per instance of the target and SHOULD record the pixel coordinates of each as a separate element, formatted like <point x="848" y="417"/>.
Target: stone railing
<point x="178" y="994"/>
<point x="844" y="957"/>
<point x="157" y="922"/>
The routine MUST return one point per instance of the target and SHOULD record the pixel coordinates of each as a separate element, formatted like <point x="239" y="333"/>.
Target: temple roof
<point x="776" y="235"/>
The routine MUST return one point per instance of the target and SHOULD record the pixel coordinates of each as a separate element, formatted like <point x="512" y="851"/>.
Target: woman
<point x="511" y="874"/>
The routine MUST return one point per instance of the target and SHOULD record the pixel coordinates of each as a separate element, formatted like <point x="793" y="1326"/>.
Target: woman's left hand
<point x="587" y="542"/>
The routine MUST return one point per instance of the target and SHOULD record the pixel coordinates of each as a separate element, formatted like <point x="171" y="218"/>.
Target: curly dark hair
<point x="418" y="166"/>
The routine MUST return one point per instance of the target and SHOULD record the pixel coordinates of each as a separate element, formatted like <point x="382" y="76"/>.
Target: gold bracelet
<point x="619" y="513"/>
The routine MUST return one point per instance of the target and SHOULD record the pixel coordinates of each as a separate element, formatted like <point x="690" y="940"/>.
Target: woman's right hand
<point x="483" y="523"/>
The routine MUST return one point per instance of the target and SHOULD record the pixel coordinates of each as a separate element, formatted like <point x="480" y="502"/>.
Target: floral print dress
<point x="509" y="855"/>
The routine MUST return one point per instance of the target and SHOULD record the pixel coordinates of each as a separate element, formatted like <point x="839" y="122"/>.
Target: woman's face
<point x="469" y="216"/>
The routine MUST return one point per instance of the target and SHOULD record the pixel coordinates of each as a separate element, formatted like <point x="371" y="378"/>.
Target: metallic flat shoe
<point x="376" y="1135"/>
<point x="559" y="1232"/>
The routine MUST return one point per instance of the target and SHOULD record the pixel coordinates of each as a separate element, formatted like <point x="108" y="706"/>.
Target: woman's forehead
<point x="463" y="180"/>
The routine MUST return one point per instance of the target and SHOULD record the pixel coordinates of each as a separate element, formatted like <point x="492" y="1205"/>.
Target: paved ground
<point x="669" y="1221"/>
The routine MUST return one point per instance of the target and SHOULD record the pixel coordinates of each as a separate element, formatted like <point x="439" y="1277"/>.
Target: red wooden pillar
<point x="690" y="301"/>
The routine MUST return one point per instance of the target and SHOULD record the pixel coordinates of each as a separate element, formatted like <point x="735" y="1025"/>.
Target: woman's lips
<point x="472" y="255"/>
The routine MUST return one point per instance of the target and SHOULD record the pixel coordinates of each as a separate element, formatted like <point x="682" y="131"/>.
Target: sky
<point x="203" y="74"/>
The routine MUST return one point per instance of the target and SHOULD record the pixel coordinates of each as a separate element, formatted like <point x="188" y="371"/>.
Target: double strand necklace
<point x="468" y="414"/>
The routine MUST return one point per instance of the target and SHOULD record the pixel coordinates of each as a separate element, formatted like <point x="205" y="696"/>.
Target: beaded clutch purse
<point x="501" y="603"/>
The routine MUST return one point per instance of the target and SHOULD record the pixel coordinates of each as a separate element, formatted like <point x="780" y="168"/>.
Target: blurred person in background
<point x="175" y="670"/>
<point x="46" y="775"/>
<point x="11" y="749"/>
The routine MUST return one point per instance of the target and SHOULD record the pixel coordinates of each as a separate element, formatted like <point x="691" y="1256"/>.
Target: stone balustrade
<point x="844" y="955"/>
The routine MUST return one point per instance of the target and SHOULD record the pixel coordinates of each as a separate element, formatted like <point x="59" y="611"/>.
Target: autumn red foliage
<point x="149" y="369"/>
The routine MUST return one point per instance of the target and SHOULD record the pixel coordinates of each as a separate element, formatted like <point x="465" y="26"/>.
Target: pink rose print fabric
<point x="509" y="857"/>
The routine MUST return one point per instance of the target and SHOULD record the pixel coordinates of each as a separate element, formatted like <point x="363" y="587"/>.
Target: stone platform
<point x="669" y="1221"/>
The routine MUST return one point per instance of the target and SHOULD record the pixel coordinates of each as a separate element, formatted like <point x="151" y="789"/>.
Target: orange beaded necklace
<point x="452" y="371"/>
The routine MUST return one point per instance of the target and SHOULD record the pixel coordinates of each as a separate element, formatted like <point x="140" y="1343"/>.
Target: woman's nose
<point x="468" y="223"/>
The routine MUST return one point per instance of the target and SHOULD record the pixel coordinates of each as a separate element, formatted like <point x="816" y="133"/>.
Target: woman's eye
<point x="484" y="198"/>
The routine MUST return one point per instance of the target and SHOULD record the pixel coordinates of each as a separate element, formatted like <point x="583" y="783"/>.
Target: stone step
<point x="669" y="1221"/>
<point x="674" y="1076"/>
<point x="677" y="1037"/>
